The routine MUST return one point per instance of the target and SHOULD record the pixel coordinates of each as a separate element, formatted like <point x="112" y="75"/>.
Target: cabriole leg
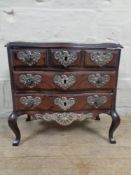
<point x="28" y="118"/>
<point x="12" y="121"/>
<point x="115" y="123"/>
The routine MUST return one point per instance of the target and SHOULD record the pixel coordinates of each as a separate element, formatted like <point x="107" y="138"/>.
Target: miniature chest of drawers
<point x="63" y="82"/>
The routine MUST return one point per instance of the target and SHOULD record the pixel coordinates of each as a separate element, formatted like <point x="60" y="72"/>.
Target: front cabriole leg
<point x="115" y="123"/>
<point x="12" y="121"/>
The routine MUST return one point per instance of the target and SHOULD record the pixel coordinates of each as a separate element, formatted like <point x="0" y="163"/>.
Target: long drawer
<point x="50" y="80"/>
<point x="62" y="102"/>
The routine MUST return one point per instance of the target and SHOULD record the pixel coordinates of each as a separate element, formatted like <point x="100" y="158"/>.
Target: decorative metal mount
<point x="65" y="118"/>
<point x="98" y="79"/>
<point x="29" y="57"/>
<point x="64" y="81"/>
<point x="31" y="102"/>
<point x="65" y="57"/>
<point x="96" y="100"/>
<point x="30" y="80"/>
<point x="64" y="103"/>
<point x="101" y="58"/>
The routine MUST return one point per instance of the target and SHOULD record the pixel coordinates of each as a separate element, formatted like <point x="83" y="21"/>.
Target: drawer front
<point x="63" y="102"/>
<point x="29" y="57"/>
<point x="101" y="58"/>
<point x="82" y="80"/>
<point x="65" y="57"/>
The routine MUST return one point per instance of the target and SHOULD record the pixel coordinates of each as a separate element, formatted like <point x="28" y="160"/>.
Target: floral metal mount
<point x="65" y="118"/>
<point x="96" y="100"/>
<point x="64" y="81"/>
<point x="98" y="79"/>
<point x="64" y="103"/>
<point x="65" y="57"/>
<point x="101" y="58"/>
<point x="29" y="57"/>
<point x="29" y="101"/>
<point x="30" y="80"/>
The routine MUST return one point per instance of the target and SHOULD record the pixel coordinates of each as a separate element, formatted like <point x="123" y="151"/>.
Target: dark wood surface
<point x="48" y="67"/>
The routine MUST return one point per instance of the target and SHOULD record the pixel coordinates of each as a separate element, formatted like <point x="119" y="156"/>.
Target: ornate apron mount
<point x="65" y="118"/>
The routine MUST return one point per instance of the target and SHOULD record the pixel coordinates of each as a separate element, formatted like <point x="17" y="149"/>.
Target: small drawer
<point x="65" y="81"/>
<point x="101" y="58"/>
<point x="65" y="57"/>
<point x="63" y="102"/>
<point x="29" y="57"/>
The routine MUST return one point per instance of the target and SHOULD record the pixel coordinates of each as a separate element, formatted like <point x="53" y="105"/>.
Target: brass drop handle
<point x="98" y="79"/>
<point x="30" y="101"/>
<point x="101" y="58"/>
<point x="96" y="100"/>
<point x="29" y="57"/>
<point x="30" y="80"/>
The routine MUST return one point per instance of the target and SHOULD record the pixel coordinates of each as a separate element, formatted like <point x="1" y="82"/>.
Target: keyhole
<point x="64" y="81"/>
<point x="64" y="103"/>
<point x="65" y="58"/>
<point x="98" y="81"/>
